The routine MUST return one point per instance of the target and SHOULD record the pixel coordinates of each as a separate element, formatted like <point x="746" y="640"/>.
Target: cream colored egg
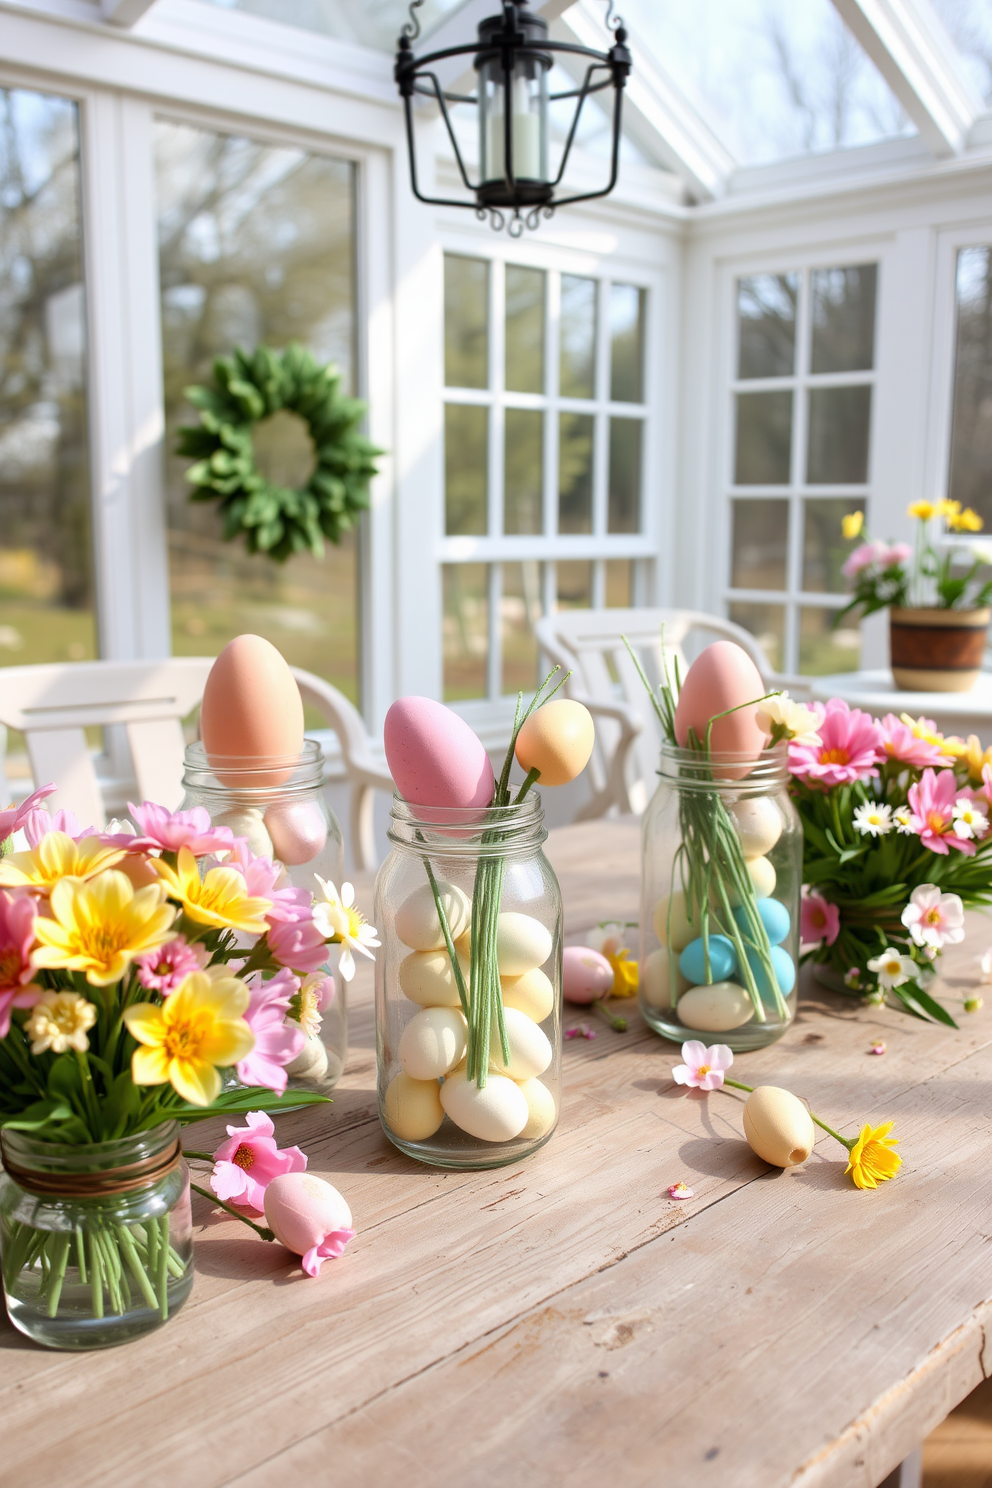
<point x="762" y="875"/>
<point x="656" y="983"/>
<point x="759" y="824"/>
<point x="531" y="993"/>
<point x="245" y="821"/>
<point x="463" y="945"/>
<point x="417" y="923"/>
<point x="778" y="1126"/>
<point x="413" y="1108"/>
<point x="426" y="977"/>
<point x="683" y="929"/>
<point x="496" y="1113"/>
<point x="432" y="1042"/>
<point x="521" y="943"/>
<point x="530" y="1048"/>
<point x="541" y="1106"/>
<point x="311" y="1062"/>
<point x="716" y="1008"/>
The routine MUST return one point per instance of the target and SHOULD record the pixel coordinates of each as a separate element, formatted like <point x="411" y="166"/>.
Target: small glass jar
<point x="441" y="1099"/>
<point x="283" y="812"/>
<point x="96" y="1241"/>
<point x="720" y="884"/>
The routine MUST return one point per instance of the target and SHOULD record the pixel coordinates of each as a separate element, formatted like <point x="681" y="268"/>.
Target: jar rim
<point x="739" y="769"/>
<point x="34" y="1154"/>
<point x="287" y="774"/>
<point x="462" y="831"/>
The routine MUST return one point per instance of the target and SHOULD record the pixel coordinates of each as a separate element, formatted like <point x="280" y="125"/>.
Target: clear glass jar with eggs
<point x="720" y="884"/>
<point x="441" y="1100"/>
<point x="280" y="807"/>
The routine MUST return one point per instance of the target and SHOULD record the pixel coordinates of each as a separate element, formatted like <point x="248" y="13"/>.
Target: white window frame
<point x="941" y="412"/>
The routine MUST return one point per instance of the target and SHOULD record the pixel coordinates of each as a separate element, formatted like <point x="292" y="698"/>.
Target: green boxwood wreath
<point x="278" y="520"/>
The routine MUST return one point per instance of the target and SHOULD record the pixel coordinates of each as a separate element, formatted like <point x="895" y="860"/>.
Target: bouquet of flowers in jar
<point x="928" y="574"/>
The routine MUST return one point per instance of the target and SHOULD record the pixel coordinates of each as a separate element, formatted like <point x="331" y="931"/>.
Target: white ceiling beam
<point x="125" y="12"/>
<point x="460" y="27"/>
<point x="911" y="48"/>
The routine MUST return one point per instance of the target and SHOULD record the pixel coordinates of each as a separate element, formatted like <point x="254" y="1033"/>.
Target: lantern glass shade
<point x="526" y="97"/>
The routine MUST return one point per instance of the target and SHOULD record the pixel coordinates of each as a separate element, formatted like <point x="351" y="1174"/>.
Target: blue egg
<point x="785" y="971"/>
<point x="723" y="960"/>
<point x="773" y="915"/>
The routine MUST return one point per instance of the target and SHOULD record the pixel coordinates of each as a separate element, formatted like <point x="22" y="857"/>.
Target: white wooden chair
<point x="628" y="735"/>
<point x="146" y="701"/>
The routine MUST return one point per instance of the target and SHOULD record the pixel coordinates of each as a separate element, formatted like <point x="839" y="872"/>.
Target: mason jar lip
<point x="34" y="1153"/>
<point x="739" y="769"/>
<point x="285" y="773"/>
<point x="460" y="831"/>
<point x="531" y="808"/>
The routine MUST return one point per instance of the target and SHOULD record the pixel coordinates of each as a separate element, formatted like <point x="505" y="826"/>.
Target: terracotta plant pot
<point x="937" y="650"/>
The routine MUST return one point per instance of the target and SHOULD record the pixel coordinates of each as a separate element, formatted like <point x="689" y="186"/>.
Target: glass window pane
<point x="619" y="583"/>
<point x="626" y="343"/>
<point x="520" y="609"/>
<point x="575" y="436"/>
<point x="764" y="439"/>
<point x="524" y="330"/>
<point x="577" y="366"/>
<point x="574" y="585"/>
<point x="466" y="321"/>
<point x="971" y="430"/>
<point x="466" y="445"/>
<point x="822" y="650"/>
<point x="824" y="545"/>
<point x="465" y="628"/>
<point x="760" y="550"/>
<point x="523" y="457"/>
<point x="625" y="475"/>
<point x="766" y="311"/>
<point x="766" y="622"/>
<point x="256" y="246"/>
<point x="46" y="567"/>
<point x="839" y="428"/>
<point x="844" y="318"/>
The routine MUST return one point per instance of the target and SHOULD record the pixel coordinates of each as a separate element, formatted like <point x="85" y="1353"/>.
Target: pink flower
<point x="297" y="944"/>
<point x="13" y="819"/>
<point x="868" y="555"/>
<point x="38" y="823"/>
<point x="262" y="875"/>
<point x="849" y="744"/>
<point x="933" y="918"/>
<point x="818" y="920"/>
<point x="680" y="1190"/>
<point x="986" y="789"/>
<point x="277" y="1043"/>
<point x="164" y="969"/>
<point x="703" y="1068"/>
<point x="248" y="1161"/>
<point x="932" y="802"/>
<point x="900" y="743"/>
<point x="171" y="830"/>
<point x="896" y="554"/>
<point x="17" y="917"/>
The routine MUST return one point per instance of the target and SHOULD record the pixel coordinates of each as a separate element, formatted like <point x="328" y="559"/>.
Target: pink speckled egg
<point x="297" y="829"/>
<point x="723" y="676"/>
<point x="434" y="757"/>
<point x="585" y="975"/>
<point x="309" y="1217"/>
<point x="251" y="713"/>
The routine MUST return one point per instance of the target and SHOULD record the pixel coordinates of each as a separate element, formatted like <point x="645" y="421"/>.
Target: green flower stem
<point x="456" y="969"/>
<point x="199" y="1156"/>
<point x="96" y="1278"/>
<point x="532" y="776"/>
<point x="80" y="1254"/>
<point x="619" y="1025"/>
<point x="259" y="1229"/>
<point x="59" y="1260"/>
<point x="847" y="1142"/>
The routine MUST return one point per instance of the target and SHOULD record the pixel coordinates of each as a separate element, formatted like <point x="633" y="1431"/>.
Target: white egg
<point x="541" y="1106"/>
<point x="531" y="993"/>
<point x="311" y="1062"/>
<point x="656" y="980"/>
<point x="762" y="875"/>
<point x="432" y="1042"/>
<point x="413" y="1108"/>
<point x="417" y="923"/>
<point x="426" y="977"/>
<point x="683" y="929"/>
<point x="759" y="824"/>
<point x="496" y="1113"/>
<point x="245" y="821"/>
<point x="530" y="1048"/>
<point x="715" y="1009"/>
<point x="778" y="1126"/>
<point x="521" y="943"/>
<point x="463" y="946"/>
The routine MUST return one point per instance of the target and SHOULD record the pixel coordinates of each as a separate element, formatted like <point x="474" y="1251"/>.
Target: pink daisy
<point x="819" y="920"/>
<point x="164" y="969"/>
<point x="277" y="1043"/>
<point x="932" y="802"/>
<point x="14" y="818"/>
<point x="171" y="830"/>
<point x="900" y="743"/>
<point x="17" y="917"/>
<point x="847" y="748"/>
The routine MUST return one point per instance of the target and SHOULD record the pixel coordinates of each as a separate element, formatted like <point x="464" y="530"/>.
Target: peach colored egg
<point x="297" y="829"/>
<point x="557" y="740"/>
<point x="585" y="975"/>
<point x="252" y="712"/>
<point x="533" y="994"/>
<point x="301" y="1209"/>
<point x="434" y="757"/>
<point x="723" y="676"/>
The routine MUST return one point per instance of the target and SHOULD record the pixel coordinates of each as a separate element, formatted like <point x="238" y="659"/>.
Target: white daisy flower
<point x="873" y="820"/>
<point x="892" y="968"/>
<point x="790" y="720"/>
<point x="340" y="922"/>
<point x="902" y="820"/>
<point x="969" y="819"/>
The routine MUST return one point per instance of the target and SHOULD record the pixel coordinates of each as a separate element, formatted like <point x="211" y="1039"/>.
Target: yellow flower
<point x="101" y="926"/>
<point x="966" y="521"/>
<point x="198" y="1028"/>
<point x="975" y="757"/>
<point x="922" y="509"/>
<point x="624" y="974"/>
<point x="922" y="728"/>
<point x="871" y="1160"/>
<point x="783" y="717"/>
<point x="59" y="1021"/>
<point x="57" y="856"/>
<point x="853" y="524"/>
<point x="220" y="898"/>
<point x="948" y="509"/>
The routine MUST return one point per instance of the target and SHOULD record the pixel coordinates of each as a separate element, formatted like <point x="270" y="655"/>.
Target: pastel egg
<point x="251" y="713"/>
<point x="426" y="977"/>
<point x="417" y="923"/>
<point x="298" y="831"/>
<point x="671" y="916"/>
<point x="521" y="943"/>
<point x="302" y="1210"/>
<point x="772" y="914"/>
<point x="530" y="1047"/>
<point x="759" y="824"/>
<point x="784" y="967"/>
<point x="311" y="1062"/>
<point x="723" y="960"/>
<point x="496" y="1113"/>
<point x="541" y="1108"/>
<point x="434" y="757"/>
<point x="656" y="980"/>
<point x="723" y="676"/>
<point x="585" y="975"/>
<point x="245" y="821"/>
<point x="532" y="994"/>
<point x="463" y="946"/>
<point x="432" y="1042"/>
<point x="763" y="877"/>
<point x="778" y="1126"/>
<point x="557" y="740"/>
<point x="716" y="1008"/>
<point x="413" y="1107"/>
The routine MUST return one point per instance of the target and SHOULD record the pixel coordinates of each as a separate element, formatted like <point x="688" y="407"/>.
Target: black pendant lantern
<point x="512" y="57"/>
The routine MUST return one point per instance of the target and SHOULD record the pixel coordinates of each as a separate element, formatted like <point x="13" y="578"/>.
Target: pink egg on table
<point x="251" y="714"/>
<point x="309" y="1217"/>
<point x="585" y="975"/>
<point x="297" y="829"/>
<point x="723" y="676"/>
<point x="434" y="757"/>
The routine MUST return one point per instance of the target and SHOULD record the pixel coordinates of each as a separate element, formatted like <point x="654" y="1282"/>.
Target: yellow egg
<point x="530" y="1048"/>
<point x="432" y="1042"/>
<point x="541" y="1107"/>
<point x="557" y="740"/>
<point x="426" y="977"/>
<point x="417" y="923"/>
<point x="778" y="1126"/>
<point x="531" y="993"/>
<point x="683" y="929"/>
<point x="762" y="875"/>
<point x="656" y="986"/>
<point x="496" y="1113"/>
<point x="521" y="943"/>
<point x="759" y="824"/>
<point x="715" y="1008"/>
<point x="251" y="713"/>
<point x="413" y="1108"/>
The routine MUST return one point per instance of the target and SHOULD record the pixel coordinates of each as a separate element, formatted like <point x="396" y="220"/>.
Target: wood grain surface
<point x="563" y="1319"/>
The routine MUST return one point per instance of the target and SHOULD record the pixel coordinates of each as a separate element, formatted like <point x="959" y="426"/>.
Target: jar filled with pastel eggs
<point x="468" y="1078"/>
<point x="720" y="886"/>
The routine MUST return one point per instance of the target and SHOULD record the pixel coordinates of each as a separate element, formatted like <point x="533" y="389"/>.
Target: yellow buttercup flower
<point x="101" y="926"/>
<point x="965" y="521"/>
<point x="948" y="509"/>
<point x="184" y="1040"/>
<point x="853" y="524"/>
<point x="924" y="510"/>
<point x="975" y="758"/>
<point x="57" y="856"/>
<point x="922" y="728"/>
<point x="220" y="898"/>
<point x="871" y="1160"/>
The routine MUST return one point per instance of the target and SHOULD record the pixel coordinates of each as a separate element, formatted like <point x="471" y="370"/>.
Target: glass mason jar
<point x="282" y="810"/>
<point x="96" y="1241"/>
<point x="441" y="1099"/>
<point x="720" y="882"/>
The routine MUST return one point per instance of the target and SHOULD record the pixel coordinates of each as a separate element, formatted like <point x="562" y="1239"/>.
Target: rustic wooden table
<point x="563" y="1320"/>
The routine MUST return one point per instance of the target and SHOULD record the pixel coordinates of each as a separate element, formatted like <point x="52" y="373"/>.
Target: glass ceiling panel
<point x="372" y="23"/>
<point x="970" y="25"/>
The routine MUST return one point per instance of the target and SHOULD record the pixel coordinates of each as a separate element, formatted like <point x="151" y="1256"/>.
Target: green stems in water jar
<point x="720" y="885"/>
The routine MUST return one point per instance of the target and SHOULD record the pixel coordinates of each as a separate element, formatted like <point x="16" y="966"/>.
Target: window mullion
<point x="551" y="417"/>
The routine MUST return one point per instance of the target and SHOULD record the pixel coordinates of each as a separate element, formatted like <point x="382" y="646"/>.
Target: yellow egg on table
<point x="541" y="1108"/>
<point x="530" y="1048"/>
<point x="778" y="1126"/>
<point x="531" y="993"/>
<point x="670" y="913"/>
<point x="417" y="922"/>
<point x="761" y="872"/>
<point x="413" y="1107"/>
<point x="716" y="1008"/>
<point x="496" y="1113"/>
<point x="426" y="977"/>
<point x="432" y="1042"/>
<point x="521" y="943"/>
<point x="656" y="980"/>
<point x="759" y="824"/>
